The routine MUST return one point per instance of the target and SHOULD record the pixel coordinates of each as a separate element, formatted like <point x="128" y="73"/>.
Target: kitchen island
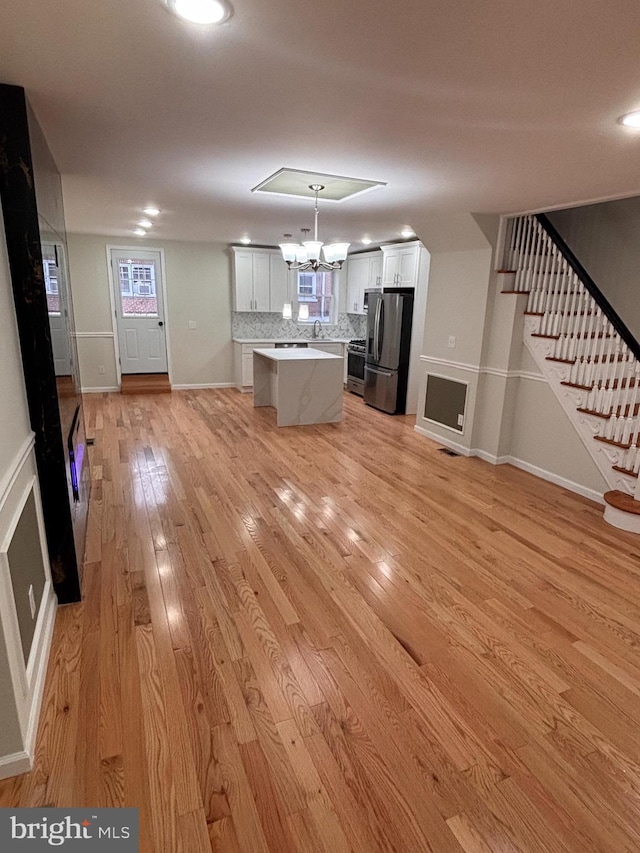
<point x="305" y="386"/>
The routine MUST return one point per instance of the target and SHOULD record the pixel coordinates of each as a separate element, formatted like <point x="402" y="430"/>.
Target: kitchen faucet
<point x="317" y="325"/>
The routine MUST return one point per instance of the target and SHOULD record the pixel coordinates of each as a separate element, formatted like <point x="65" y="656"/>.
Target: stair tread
<point x="577" y="385"/>
<point x="623" y="501"/>
<point x="620" y="411"/>
<point x="540" y="335"/>
<point x="594" y="413"/>
<point x="624" y="445"/>
<point x="561" y="360"/>
<point x="626" y="471"/>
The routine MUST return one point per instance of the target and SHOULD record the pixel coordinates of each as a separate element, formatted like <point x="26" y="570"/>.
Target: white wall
<point x="604" y="238"/>
<point x="512" y="414"/>
<point x="20" y="692"/>
<point x="198" y="288"/>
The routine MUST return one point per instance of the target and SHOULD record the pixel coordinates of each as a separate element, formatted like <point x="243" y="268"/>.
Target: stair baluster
<point x="583" y="347"/>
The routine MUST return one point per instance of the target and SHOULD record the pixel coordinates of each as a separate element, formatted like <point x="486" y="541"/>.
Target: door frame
<point x="112" y="299"/>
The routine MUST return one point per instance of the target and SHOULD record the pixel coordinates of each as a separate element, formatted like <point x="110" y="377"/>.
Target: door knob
<point x="160" y="323"/>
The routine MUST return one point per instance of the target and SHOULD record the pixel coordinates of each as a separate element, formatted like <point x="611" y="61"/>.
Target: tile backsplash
<point x="263" y="325"/>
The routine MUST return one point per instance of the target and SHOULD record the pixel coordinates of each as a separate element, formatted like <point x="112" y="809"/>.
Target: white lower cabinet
<point x="243" y="363"/>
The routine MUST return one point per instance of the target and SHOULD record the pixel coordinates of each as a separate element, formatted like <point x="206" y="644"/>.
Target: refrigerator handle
<point x="376" y="327"/>
<point x="380" y="328"/>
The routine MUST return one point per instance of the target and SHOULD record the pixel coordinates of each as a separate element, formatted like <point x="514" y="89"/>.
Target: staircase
<point x="585" y="352"/>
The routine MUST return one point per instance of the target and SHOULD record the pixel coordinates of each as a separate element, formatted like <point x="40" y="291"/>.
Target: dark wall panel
<point x="17" y="194"/>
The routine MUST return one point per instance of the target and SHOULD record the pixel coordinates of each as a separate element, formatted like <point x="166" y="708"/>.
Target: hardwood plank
<point x="335" y="638"/>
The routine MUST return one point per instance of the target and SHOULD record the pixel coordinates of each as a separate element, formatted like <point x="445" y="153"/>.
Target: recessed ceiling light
<point x="366" y="241"/>
<point x="200" y="11"/>
<point x="151" y="211"/>
<point x="145" y="223"/>
<point x="630" y="119"/>
<point x="139" y="232"/>
<point x="407" y="232"/>
<point x="245" y="240"/>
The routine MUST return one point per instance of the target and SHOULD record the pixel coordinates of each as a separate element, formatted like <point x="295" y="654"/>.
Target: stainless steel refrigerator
<point x="388" y="344"/>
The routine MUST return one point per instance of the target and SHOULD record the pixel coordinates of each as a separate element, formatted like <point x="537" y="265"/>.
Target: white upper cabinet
<point x="279" y="276"/>
<point x="400" y="265"/>
<point x="363" y="272"/>
<point x="260" y="280"/>
<point x="242" y="281"/>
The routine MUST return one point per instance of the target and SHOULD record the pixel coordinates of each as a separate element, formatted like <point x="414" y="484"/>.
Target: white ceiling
<point x="460" y="106"/>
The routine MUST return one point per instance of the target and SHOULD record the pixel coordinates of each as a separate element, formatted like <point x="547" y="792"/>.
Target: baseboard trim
<point x="447" y="442"/>
<point x="556" y="479"/>
<point x="100" y="390"/>
<point x="542" y="473"/>
<point x="14" y="764"/>
<point x="197" y="386"/>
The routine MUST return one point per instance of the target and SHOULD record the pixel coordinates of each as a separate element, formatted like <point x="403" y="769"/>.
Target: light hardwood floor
<point x="337" y="638"/>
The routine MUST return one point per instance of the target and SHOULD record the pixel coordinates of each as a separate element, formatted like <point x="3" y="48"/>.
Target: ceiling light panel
<point x="293" y="182"/>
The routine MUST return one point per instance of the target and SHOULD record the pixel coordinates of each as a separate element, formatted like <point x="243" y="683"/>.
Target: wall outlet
<point x="460" y="420"/>
<point x="451" y="342"/>
<point x="32" y="602"/>
<point x="192" y="324"/>
<point x="101" y="368"/>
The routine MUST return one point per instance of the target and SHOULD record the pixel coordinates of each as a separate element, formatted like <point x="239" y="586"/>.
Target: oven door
<point x="355" y="372"/>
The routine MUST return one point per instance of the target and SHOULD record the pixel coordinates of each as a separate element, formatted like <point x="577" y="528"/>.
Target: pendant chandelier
<point x="307" y="255"/>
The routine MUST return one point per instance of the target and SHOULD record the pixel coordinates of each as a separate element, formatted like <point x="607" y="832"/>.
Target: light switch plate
<point x="460" y="420"/>
<point x="192" y="324"/>
<point x="452" y="342"/>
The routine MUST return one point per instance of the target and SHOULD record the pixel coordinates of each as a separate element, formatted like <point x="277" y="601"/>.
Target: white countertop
<point x="293" y="354"/>
<point x="310" y="341"/>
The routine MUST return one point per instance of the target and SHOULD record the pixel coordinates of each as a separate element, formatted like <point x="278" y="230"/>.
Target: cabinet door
<point x="261" y="288"/>
<point x="357" y="282"/>
<point x="243" y="282"/>
<point x="407" y="267"/>
<point x="375" y="271"/>
<point x="279" y="283"/>
<point x="390" y="268"/>
<point x="331" y="346"/>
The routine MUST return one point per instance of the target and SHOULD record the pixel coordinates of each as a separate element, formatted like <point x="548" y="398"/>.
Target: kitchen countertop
<point x="293" y="354"/>
<point x="310" y="341"/>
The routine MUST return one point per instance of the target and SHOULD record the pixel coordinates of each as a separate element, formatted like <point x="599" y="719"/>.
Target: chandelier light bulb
<point x="307" y="255"/>
<point x="151" y="211"/>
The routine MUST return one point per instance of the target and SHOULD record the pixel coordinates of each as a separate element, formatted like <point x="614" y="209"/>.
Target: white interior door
<point x="139" y="300"/>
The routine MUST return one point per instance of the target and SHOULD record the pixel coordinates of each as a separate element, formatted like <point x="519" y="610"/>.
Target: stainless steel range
<point x="356" y="354"/>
